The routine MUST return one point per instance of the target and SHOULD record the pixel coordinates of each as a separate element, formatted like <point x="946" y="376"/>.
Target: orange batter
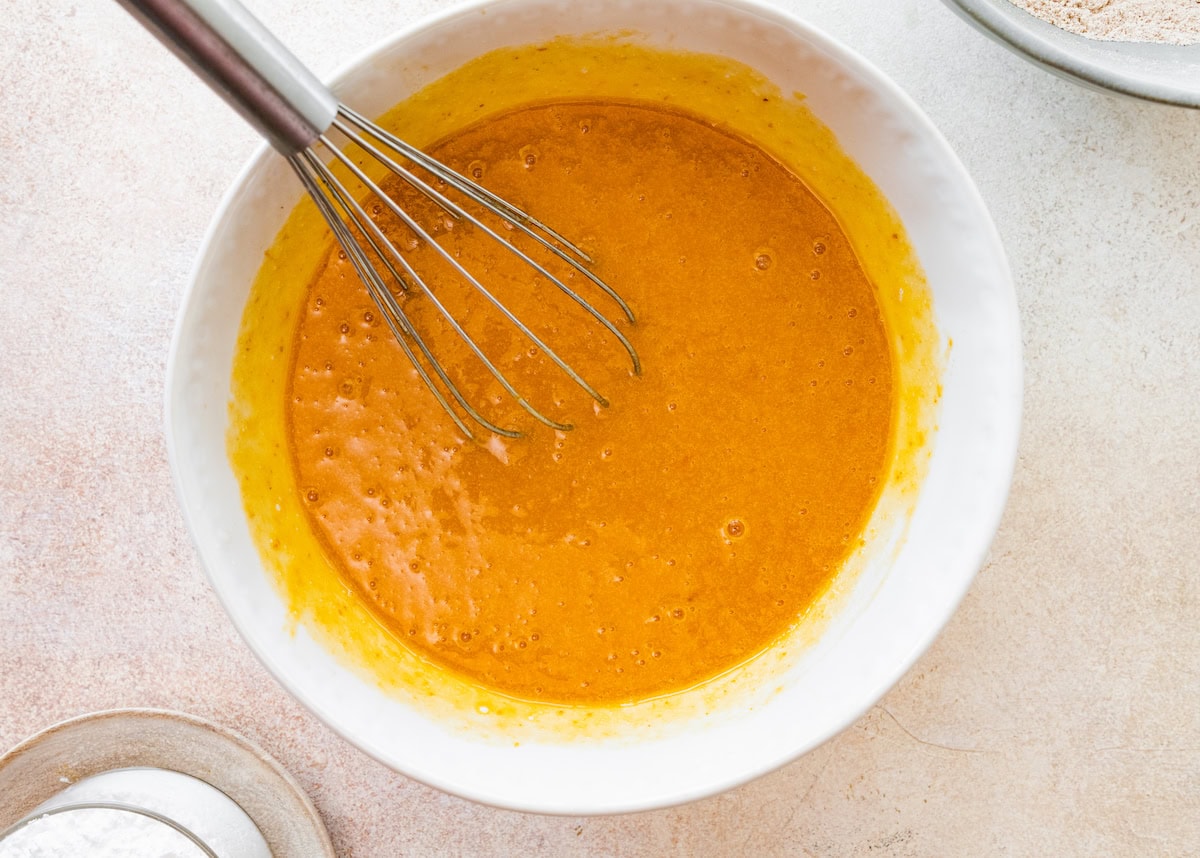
<point x="668" y="538"/>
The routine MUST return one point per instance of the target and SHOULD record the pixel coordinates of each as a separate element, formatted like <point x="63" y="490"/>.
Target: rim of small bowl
<point x="990" y="511"/>
<point x="238" y="768"/>
<point x="1052" y="49"/>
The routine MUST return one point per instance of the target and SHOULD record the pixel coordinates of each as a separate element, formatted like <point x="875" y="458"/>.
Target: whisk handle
<point x="245" y="64"/>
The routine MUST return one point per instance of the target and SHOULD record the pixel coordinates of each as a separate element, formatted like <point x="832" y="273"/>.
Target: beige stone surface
<point x="1059" y="712"/>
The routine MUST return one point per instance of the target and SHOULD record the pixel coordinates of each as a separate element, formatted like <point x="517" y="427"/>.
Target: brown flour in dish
<point x="1175" y="22"/>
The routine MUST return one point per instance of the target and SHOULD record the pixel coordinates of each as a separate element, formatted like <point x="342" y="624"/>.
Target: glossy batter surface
<point x="667" y="538"/>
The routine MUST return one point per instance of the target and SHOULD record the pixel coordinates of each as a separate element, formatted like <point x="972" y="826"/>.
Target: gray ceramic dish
<point x="1169" y="74"/>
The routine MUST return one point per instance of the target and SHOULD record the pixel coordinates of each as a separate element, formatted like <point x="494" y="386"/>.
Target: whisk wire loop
<point x="530" y="226"/>
<point x="393" y="314"/>
<point x="398" y="321"/>
<point x="459" y="213"/>
<point x="497" y="205"/>
<point x="454" y="324"/>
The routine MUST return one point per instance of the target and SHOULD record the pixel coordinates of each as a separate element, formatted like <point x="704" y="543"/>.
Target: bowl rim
<point x="1044" y="45"/>
<point x="218" y="756"/>
<point x="990" y="510"/>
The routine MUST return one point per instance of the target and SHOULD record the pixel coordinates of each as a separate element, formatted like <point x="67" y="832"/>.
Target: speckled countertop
<point x="1058" y="714"/>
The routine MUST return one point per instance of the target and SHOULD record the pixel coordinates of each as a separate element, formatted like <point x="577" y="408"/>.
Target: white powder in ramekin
<point x="97" y="833"/>
<point x="1174" y="22"/>
<point x="214" y="818"/>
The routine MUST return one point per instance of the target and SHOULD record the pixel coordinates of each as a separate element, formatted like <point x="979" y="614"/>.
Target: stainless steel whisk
<point x="252" y="70"/>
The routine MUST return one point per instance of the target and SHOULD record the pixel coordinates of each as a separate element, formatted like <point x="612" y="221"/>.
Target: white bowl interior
<point x="879" y="633"/>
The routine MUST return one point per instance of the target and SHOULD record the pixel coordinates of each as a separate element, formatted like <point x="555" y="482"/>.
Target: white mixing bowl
<point x="881" y="628"/>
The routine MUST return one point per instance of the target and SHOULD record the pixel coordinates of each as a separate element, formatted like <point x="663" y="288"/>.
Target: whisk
<point x="252" y="70"/>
